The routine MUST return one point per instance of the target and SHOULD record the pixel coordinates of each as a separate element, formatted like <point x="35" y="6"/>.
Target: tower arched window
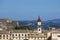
<point x="25" y="34"/>
<point x="39" y="29"/>
<point x="39" y="26"/>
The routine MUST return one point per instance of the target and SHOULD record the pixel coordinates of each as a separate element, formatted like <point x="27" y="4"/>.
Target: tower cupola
<point x="39" y="21"/>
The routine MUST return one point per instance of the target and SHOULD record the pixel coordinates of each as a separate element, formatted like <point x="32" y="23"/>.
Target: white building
<point x="24" y="34"/>
<point x="56" y="35"/>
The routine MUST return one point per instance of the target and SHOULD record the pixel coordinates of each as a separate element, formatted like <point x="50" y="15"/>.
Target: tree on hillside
<point x="22" y="28"/>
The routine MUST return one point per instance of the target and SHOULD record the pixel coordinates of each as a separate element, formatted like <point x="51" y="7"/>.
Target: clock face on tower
<point x="39" y="23"/>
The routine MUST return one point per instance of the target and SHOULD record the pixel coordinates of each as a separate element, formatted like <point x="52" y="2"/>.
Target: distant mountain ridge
<point x="55" y="22"/>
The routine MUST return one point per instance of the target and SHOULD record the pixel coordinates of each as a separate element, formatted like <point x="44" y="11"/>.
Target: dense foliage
<point x="23" y="28"/>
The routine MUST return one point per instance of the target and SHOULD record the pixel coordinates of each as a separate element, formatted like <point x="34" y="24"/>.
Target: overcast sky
<point x="30" y="9"/>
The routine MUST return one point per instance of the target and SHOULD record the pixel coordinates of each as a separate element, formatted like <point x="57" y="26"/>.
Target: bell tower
<point x="39" y="29"/>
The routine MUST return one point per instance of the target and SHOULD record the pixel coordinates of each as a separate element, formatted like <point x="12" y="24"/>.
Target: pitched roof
<point x="22" y="31"/>
<point x="4" y="32"/>
<point x="39" y="20"/>
<point x="37" y="36"/>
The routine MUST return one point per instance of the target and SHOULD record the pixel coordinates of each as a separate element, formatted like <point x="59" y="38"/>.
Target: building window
<point x="31" y="37"/>
<point x="25" y="34"/>
<point x="16" y="37"/>
<point x="44" y="38"/>
<point x="7" y="36"/>
<point x="34" y="38"/>
<point x="0" y="36"/>
<point x="28" y="34"/>
<point x="13" y="36"/>
<point x="41" y="38"/>
<point x="3" y="36"/>
<point x="38" y="37"/>
<point x="16" y="34"/>
<point x="19" y="36"/>
<point x="22" y="34"/>
<point x="58" y="35"/>
<point x="39" y="29"/>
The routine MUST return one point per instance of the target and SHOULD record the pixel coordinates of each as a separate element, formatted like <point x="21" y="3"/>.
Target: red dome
<point x="39" y="20"/>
